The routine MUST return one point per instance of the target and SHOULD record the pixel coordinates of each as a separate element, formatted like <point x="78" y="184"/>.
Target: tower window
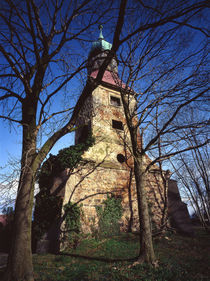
<point x="120" y="158"/>
<point x="115" y="101"/>
<point x="117" y="125"/>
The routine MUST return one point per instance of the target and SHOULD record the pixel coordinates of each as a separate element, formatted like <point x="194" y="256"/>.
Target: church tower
<point x="108" y="163"/>
<point x="102" y="114"/>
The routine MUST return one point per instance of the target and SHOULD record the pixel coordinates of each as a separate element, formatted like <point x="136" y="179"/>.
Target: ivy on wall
<point x="109" y="215"/>
<point x="72" y="229"/>
<point x="48" y="205"/>
<point x="66" y="158"/>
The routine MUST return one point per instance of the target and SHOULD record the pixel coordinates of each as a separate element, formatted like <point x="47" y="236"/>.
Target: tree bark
<point x="146" y="253"/>
<point x="19" y="265"/>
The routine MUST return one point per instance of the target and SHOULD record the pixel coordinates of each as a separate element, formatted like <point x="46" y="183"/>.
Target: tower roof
<point x="101" y="44"/>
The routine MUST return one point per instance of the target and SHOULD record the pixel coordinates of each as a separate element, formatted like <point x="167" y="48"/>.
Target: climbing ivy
<point x="72" y="229"/>
<point x="66" y="158"/>
<point x="48" y="205"/>
<point x="109" y="215"/>
<point x="47" y="210"/>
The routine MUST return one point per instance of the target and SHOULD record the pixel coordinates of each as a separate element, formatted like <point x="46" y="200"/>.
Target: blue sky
<point x="10" y="145"/>
<point x="10" y="151"/>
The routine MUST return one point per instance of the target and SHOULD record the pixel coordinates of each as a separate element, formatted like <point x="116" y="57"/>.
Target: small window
<point x="120" y="158"/>
<point x="115" y="101"/>
<point x="117" y="125"/>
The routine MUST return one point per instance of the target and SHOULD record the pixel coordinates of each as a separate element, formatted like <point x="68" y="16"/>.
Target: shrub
<point x="109" y="216"/>
<point x="72" y="230"/>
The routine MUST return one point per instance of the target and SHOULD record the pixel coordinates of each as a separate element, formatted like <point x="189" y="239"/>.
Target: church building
<point x="107" y="166"/>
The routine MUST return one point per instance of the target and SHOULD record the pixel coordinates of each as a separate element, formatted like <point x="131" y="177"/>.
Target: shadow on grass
<point x="98" y="258"/>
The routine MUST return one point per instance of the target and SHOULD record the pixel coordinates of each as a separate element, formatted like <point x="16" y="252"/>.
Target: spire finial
<point x="100" y="27"/>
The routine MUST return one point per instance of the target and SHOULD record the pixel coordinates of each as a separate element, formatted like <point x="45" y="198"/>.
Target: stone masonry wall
<point x="90" y="183"/>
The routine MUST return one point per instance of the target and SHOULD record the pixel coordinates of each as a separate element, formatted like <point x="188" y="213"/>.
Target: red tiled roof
<point x="110" y="78"/>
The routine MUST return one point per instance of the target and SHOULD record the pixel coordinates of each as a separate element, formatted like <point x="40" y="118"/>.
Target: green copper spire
<point x="98" y="53"/>
<point x="100" y="27"/>
<point x="101" y="44"/>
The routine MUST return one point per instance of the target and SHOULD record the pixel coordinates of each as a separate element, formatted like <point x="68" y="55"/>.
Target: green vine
<point x="72" y="230"/>
<point x="48" y="205"/>
<point x="66" y="158"/>
<point x="109" y="215"/>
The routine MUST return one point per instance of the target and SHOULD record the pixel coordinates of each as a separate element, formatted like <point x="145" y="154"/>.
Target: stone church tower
<point x="108" y="163"/>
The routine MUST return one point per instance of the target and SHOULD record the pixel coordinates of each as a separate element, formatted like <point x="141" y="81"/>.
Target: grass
<point x="180" y="259"/>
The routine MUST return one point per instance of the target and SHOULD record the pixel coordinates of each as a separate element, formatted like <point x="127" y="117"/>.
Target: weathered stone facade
<point x="108" y="164"/>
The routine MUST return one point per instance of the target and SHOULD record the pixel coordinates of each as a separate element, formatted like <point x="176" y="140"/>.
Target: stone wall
<point x="177" y="210"/>
<point x="103" y="173"/>
<point x="90" y="184"/>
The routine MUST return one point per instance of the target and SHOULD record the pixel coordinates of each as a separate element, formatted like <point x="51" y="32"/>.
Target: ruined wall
<point x="177" y="210"/>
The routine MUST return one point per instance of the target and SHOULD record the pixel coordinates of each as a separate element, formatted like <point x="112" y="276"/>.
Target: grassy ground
<point x="180" y="259"/>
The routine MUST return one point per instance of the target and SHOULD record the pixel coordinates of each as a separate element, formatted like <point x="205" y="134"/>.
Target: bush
<point x="72" y="231"/>
<point x="109" y="216"/>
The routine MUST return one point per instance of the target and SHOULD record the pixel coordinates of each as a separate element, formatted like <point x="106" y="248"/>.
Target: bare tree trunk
<point x="146" y="246"/>
<point x="19" y="265"/>
<point x="165" y="179"/>
<point x="146" y="253"/>
<point x="164" y="219"/>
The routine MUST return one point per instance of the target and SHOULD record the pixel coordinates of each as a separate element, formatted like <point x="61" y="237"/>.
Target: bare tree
<point x="192" y="170"/>
<point x="38" y="59"/>
<point x="168" y="74"/>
